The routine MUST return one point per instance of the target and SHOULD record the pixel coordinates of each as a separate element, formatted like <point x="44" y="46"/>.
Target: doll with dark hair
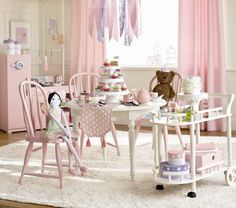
<point x="55" y="129"/>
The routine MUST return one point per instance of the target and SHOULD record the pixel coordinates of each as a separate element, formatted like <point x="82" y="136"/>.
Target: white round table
<point x="122" y="113"/>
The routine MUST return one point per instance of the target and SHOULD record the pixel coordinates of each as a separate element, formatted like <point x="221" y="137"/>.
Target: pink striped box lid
<point x="174" y="154"/>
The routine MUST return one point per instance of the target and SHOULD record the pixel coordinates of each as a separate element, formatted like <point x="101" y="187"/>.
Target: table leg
<point x="131" y="148"/>
<point x="155" y="149"/>
<point x="197" y="132"/>
<point x="159" y="144"/>
<point x="192" y="194"/>
<point x="229" y="142"/>
<point x="159" y="132"/>
<point x="75" y="121"/>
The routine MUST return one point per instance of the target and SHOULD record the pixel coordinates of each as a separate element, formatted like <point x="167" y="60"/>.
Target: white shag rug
<point x="107" y="183"/>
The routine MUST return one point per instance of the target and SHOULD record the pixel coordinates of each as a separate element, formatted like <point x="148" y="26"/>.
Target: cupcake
<point x="106" y="88"/>
<point x="115" y="75"/>
<point x="124" y="87"/>
<point x="117" y="88"/>
<point x="106" y="63"/>
<point x="114" y="63"/>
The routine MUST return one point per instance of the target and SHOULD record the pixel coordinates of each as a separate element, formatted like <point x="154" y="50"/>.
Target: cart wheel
<point x="192" y="194"/>
<point x="230" y="176"/>
<point x="159" y="187"/>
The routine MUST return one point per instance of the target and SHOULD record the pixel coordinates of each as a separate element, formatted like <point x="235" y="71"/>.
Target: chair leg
<point x="114" y="134"/>
<point x="59" y="162"/>
<point x="165" y="135"/>
<point x="26" y="160"/>
<point x="72" y="170"/>
<point x="137" y="128"/>
<point x="70" y="161"/>
<point x="103" y="144"/>
<point x="178" y="132"/>
<point x="76" y="145"/>
<point x="44" y="156"/>
<point x="81" y="143"/>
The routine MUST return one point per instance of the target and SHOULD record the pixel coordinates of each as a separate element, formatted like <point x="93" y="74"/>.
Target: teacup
<point x="128" y="98"/>
<point x="154" y="96"/>
<point x="172" y="106"/>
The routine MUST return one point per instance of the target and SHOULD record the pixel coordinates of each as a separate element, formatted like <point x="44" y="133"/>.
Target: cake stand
<point x="112" y="96"/>
<point x="194" y="99"/>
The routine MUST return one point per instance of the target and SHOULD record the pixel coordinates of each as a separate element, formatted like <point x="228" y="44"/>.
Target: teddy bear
<point x="163" y="87"/>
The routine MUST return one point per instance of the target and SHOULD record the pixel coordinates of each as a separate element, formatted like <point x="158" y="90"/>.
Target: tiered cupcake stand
<point x="112" y="96"/>
<point x="194" y="123"/>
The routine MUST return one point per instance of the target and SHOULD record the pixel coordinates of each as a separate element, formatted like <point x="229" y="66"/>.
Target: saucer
<point x="157" y="99"/>
<point x="130" y="103"/>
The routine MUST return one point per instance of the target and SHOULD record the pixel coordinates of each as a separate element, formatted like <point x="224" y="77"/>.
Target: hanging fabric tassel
<point x="101" y="21"/>
<point x="122" y="18"/>
<point x="103" y="143"/>
<point x="88" y="143"/>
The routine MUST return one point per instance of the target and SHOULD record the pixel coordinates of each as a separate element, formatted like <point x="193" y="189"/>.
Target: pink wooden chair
<point x="82" y="82"/>
<point x="33" y="97"/>
<point x="96" y="122"/>
<point x="177" y="85"/>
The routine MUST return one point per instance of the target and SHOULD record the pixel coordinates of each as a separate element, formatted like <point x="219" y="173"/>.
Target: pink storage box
<point x="176" y="157"/>
<point x="203" y="146"/>
<point x="205" y="162"/>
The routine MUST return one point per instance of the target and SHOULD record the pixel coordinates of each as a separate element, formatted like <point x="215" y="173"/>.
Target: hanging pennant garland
<point x="122" y="18"/>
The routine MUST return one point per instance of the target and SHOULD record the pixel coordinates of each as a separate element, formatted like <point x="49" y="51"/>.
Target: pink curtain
<point x="201" y="48"/>
<point x="86" y="53"/>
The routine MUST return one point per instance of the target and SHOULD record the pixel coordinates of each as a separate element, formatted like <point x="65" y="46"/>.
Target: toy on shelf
<point x="111" y="82"/>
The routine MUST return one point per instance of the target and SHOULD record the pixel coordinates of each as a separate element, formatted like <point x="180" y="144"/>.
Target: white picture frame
<point x="21" y="32"/>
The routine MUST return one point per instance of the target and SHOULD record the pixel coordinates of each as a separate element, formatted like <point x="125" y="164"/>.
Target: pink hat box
<point x="176" y="157"/>
<point x="174" y="172"/>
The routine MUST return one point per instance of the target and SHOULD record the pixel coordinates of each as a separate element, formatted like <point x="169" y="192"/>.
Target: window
<point x="157" y="45"/>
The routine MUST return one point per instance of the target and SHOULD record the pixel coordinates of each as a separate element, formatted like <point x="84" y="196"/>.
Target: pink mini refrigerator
<point x="13" y="70"/>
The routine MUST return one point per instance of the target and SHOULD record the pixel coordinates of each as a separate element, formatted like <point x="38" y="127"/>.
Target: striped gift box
<point x="174" y="172"/>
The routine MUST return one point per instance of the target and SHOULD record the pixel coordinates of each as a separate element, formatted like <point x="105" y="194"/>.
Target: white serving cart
<point x="194" y="123"/>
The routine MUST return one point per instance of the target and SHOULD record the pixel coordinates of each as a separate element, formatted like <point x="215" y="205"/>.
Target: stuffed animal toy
<point x="163" y="87"/>
<point x="55" y="129"/>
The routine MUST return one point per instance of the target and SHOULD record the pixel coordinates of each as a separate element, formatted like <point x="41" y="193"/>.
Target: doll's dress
<point x="53" y="131"/>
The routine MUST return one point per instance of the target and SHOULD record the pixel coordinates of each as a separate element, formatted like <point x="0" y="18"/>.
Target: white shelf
<point x="111" y="80"/>
<point x="110" y="67"/>
<point x="112" y="93"/>
<point x="161" y="180"/>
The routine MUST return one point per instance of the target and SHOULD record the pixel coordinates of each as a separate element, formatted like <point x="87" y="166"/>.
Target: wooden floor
<point x="6" y="139"/>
